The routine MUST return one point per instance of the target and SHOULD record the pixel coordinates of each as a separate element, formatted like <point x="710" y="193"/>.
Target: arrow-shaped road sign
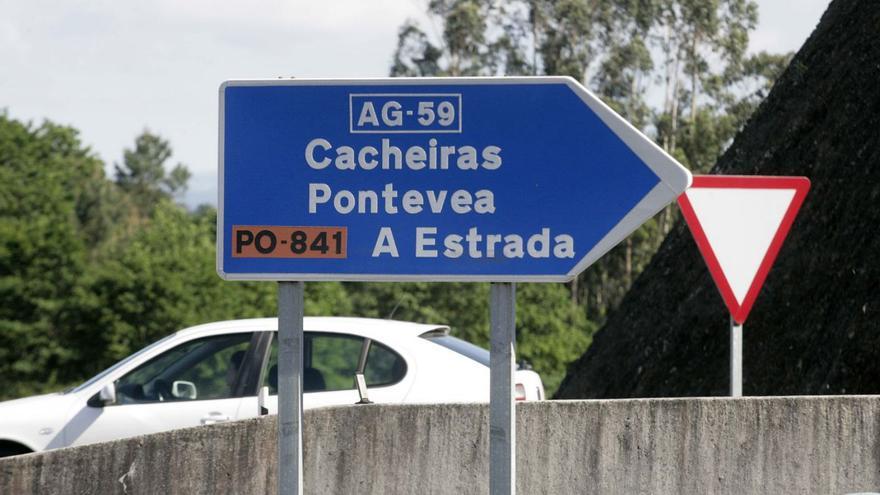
<point x="739" y="224"/>
<point x="479" y="179"/>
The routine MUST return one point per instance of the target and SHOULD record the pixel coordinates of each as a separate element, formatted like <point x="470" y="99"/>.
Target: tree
<point x="143" y="175"/>
<point x="478" y="38"/>
<point x="45" y="231"/>
<point x="162" y="280"/>
<point x="551" y="331"/>
<point x="694" y="49"/>
<point x="703" y="45"/>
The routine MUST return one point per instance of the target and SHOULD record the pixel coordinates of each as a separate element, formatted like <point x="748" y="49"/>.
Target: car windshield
<point x="462" y="347"/>
<point x="91" y="381"/>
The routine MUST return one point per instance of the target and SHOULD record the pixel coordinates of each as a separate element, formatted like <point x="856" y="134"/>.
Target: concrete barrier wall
<point x="825" y="445"/>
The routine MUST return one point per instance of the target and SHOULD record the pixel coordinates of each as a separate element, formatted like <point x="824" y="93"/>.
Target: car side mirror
<point x="107" y="395"/>
<point x="182" y="389"/>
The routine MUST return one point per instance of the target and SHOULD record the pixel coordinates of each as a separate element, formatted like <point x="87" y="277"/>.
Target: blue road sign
<point x="478" y="179"/>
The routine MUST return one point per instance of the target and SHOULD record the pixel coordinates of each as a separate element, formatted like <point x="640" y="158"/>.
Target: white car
<point x="212" y="373"/>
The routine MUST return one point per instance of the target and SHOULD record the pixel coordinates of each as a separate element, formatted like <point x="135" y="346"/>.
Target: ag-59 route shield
<point x="434" y="179"/>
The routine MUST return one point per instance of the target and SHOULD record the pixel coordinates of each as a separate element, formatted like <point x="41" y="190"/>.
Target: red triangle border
<point x="801" y="186"/>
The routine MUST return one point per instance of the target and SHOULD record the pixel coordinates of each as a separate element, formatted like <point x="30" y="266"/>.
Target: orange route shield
<point x="272" y="241"/>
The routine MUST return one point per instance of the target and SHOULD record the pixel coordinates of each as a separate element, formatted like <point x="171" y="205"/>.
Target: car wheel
<point x="8" y="449"/>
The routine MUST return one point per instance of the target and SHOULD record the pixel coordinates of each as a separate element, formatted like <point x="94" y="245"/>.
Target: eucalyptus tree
<point x="677" y="69"/>
<point x="460" y="45"/>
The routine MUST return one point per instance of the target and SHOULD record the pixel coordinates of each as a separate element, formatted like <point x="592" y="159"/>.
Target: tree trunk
<point x="667" y="97"/>
<point x="536" y="19"/>
<point x="674" y="113"/>
<point x="694" y="80"/>
<point x="628" y="268"/>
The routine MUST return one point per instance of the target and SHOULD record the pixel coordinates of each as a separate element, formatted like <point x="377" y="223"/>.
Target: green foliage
<point x="162" y="280"/>
<point x="465" y="47"/>
<point x="415" y="55"/>
<point x="327" y="299"/>
<point x="90" y="270"/>
<point x="42" y="249"/>
<point x="142" y="174"/>
<point x="552" y="331"/>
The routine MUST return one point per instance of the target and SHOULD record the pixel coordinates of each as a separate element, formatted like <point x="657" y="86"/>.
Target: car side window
<point x="384" y="366"/>
<point x="200" y="369"/>
<point x="330" y="361"/>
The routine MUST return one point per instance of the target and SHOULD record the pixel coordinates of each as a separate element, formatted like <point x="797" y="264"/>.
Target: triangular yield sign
<point x="739" y="224"/>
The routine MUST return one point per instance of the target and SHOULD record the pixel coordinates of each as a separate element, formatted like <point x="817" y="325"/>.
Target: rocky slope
<point x="814" y="328"/>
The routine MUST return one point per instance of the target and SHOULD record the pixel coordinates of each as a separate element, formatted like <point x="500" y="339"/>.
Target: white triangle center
<point x="740" y="225"/>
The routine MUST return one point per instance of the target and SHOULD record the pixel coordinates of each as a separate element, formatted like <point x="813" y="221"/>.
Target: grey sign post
<point x="290" y="366"/>
<point x="502" y="407"/>
<point x="736" y="358"/>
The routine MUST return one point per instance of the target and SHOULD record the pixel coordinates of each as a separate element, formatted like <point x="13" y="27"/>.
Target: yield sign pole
<point x="739" y="224"/>
<point x="736" y="358"/>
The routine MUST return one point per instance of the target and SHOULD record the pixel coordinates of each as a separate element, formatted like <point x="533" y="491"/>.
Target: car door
<point x="329" y="364"/>
<point x="195" y="383"/>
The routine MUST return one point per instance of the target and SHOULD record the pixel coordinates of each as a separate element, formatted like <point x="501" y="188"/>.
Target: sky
<point x="112" y="68"/>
